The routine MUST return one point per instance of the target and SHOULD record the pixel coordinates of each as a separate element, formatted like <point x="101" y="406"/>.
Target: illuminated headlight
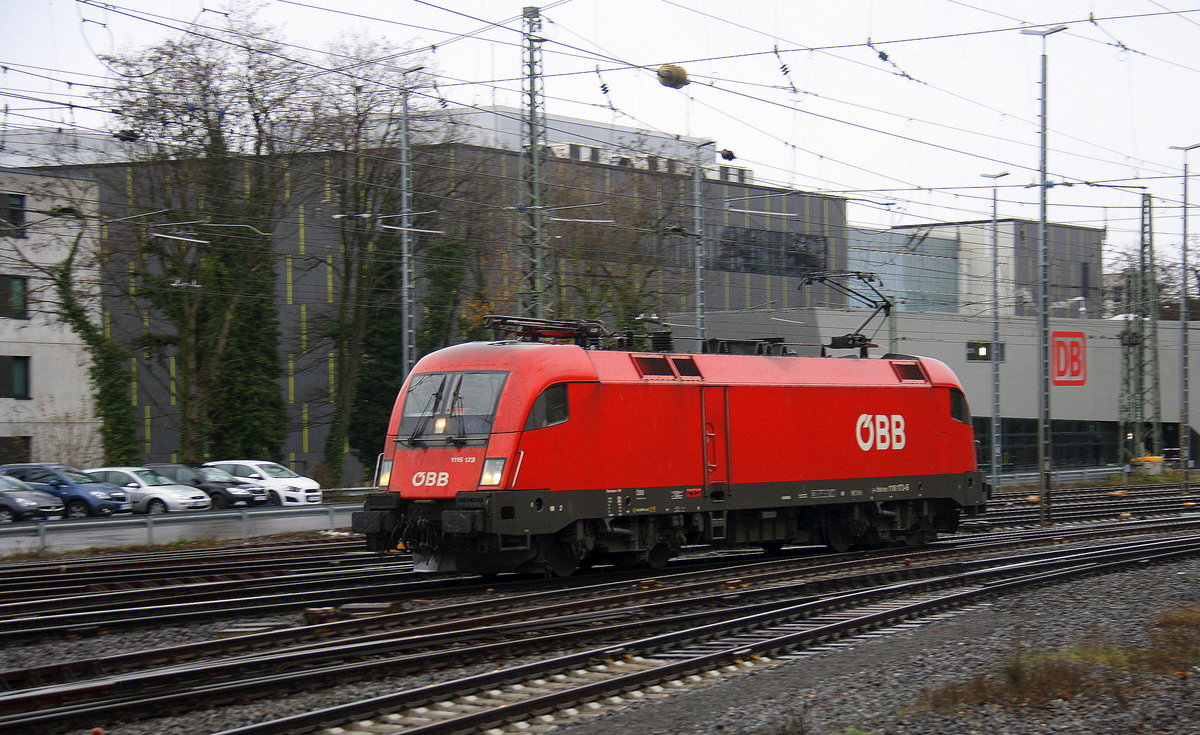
<point x="439" y="426"/>
<point x="493" y="469"/>
<point x="385" y="472"/>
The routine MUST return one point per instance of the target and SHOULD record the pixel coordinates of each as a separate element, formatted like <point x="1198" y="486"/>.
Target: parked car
<point x="150" y="492"/>
<point x="224" y="489"/>
<point x="284" y="486"/>
<point x="82" y="494"/>
<point x="20" y="502"/>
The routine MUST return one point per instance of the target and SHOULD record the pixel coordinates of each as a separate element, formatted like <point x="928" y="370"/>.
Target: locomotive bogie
<point x="519" y="456"/>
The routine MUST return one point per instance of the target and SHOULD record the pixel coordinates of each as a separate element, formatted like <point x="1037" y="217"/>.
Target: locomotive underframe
<point x="557" y="531"/>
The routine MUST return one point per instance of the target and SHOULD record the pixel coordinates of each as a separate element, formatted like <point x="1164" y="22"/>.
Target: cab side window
<point x="958" y="407"/>
<point x="549" y="409"/>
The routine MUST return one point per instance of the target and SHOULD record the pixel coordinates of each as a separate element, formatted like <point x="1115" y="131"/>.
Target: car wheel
<point x="6" y="515"/>
<point x="77" y="509"/>
<point x="219" y="501"/>
<point x="274" y="499"/>
<point x="156" y="507"/>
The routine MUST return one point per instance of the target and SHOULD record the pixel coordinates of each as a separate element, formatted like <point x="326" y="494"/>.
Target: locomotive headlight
<point x="439" y="426"/>
<point x="493" y="469"/>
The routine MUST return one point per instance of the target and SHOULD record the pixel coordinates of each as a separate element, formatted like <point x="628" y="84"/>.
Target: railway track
<point x="232" y="590"/>
<point x="1091" y="507"/>
<point x="554" y="690"/>
<point x="169" y="581"/>
<point x="535" y="624"/>
<point x="68" y="600"/>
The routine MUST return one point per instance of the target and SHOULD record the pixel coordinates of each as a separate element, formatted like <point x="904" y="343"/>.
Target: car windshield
<point x="152" y="478"/>
<point x="216" y="474"/>
<point x="450" y="406"/>
<point x="270" y="469"/>
<point x="76" y="477"/>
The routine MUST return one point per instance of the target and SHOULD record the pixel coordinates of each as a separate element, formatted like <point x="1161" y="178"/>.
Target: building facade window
<point x="733" y="173"/>
<point x="13" y="297"/>
<point x="984" y="352"/>
<point x="14" y="376"/>
<point x="16" y="449"/>
<point x="12" y="215"/>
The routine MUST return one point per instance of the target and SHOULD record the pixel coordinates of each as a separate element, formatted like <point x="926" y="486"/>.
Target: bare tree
<point x="212" y="117"/>
<point x="631" y="266"/>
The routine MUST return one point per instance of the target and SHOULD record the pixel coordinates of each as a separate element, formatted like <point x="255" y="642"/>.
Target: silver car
<point x="150" y="492"/>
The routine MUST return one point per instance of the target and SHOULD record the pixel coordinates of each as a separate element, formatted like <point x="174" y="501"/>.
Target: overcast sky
<point x="956" y="96"/>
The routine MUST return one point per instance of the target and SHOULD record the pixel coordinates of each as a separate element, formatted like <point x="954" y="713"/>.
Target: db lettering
<point x="880" y="431"/>
<point x="431" y="479"/>
<point x="1069" y="358"/>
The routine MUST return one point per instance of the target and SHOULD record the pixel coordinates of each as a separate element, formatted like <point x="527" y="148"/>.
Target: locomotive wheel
<point x="558" y="557"/>
<point x="658" y="556"/>
<point x="838" y="535"/>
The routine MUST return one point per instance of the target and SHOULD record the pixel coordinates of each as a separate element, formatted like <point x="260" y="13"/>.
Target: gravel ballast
<point x="870" y="684"/>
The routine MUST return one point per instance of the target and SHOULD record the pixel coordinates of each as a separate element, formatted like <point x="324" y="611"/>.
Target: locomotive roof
<point x="554" y="362"/>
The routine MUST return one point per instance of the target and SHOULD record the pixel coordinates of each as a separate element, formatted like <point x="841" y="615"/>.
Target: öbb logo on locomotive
<point x="880" y="431"/>
<point x="431" y="479"/>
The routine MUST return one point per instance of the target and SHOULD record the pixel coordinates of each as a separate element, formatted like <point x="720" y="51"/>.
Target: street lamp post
<point x="1185" y="429"/>
<point x="1044" y="450"/>
<point x="995" y="330"/>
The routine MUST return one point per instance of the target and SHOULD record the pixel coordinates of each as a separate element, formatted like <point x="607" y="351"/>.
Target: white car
<point x="284" y="486"/>
<point x="150" y="492"/>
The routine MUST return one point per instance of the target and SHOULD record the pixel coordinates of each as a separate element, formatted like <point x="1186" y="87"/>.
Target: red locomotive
<point x="532" y="455"/>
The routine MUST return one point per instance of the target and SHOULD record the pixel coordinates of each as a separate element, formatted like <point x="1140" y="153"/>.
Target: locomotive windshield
<point x="454" y="407"/>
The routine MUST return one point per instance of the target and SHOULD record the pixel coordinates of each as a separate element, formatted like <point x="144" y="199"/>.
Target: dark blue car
<point x="82" y="494"/>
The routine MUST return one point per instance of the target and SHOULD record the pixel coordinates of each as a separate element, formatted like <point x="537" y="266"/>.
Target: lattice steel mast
<point x="536" y="296"/>
<point x="1141" y="399"/>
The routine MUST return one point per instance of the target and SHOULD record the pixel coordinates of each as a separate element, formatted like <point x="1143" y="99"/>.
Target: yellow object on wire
<point x="670" y="75"/>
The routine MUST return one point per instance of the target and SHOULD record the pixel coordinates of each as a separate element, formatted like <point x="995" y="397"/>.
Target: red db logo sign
<point x="1068" y="358"/>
